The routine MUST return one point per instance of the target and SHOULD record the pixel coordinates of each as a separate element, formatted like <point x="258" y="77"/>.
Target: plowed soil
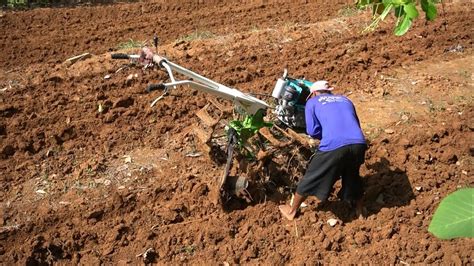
<point x="91" y="174"/>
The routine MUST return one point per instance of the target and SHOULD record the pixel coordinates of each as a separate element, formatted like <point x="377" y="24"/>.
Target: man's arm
<point x="313" y="127"/>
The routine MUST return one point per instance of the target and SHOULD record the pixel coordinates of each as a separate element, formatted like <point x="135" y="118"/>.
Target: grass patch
<point x="348" y="11"/>
<point x="254" y="28"/>
<point x="130" y="44"/>
<point x="196" y="35"/>
<point x="188" y="249"/>
<point x="16" y="4"/>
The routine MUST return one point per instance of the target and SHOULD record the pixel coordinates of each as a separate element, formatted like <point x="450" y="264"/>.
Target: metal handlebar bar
<point x="246" y="101"/>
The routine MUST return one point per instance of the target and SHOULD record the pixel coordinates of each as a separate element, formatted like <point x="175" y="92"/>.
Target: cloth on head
<point x="320" y="85"/>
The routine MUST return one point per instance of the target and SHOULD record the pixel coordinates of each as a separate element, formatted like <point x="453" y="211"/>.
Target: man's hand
<point x="146" y="56"/>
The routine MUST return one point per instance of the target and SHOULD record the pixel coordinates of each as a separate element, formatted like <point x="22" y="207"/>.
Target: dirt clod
<point x="413" y="96"/>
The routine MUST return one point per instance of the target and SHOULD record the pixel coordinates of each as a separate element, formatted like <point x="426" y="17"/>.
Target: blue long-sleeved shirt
<point x="333" y="119"/>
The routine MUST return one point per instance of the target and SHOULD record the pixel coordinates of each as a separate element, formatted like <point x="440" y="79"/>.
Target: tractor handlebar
<point x="154" y="87"/>
<point x="120" y="56"/>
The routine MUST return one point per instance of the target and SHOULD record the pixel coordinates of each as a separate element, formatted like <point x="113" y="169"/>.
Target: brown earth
<point x="90" y="187"/>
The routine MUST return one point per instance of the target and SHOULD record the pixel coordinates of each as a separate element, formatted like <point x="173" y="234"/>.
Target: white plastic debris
<point x="418" y="188"/>
<point x="40" y="191"/>
<point x="332" y="222"/>
<point x="194" y="154"/>
<point x="107" y="76"/>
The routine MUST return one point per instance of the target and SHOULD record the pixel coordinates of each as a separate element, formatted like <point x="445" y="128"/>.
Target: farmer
<point x="333" y="120"/>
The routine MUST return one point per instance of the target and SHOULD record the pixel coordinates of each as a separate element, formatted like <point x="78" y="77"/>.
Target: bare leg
<point x="359" y="208"/>
<point x="288" y="211"/>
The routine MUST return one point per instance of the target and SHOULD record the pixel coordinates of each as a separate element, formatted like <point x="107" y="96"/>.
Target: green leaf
<point x="430" y="9"/>
<point x="402" y="26"/>
<point x="454" y="216"/>
<point x="387" y="2"/>
<point x="249" y="126"/>
<point x="411" y="11"/>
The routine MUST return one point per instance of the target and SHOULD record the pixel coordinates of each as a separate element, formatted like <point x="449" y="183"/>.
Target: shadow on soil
<point x="387" y="187"/>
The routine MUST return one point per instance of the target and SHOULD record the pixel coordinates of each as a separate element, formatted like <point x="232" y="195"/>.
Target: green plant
<point x="249" y="126"/>
<point x="131" y="44"/>
<point x="196" y="35"/>
<point x="454" y="216"/>
<point x="404" y="10"/>
<point x="188" y="249"/>
<point x="17" y="3"/>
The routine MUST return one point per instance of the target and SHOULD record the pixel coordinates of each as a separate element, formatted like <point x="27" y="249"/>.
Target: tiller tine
<point x="232" y="185"/>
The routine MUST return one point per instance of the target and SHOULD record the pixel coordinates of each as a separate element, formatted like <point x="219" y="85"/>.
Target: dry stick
<point x="291" y="158"/>
<point x="296" y="228"/>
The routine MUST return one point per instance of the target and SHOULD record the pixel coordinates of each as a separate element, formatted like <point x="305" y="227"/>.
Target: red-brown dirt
<point x="87" y="187"/>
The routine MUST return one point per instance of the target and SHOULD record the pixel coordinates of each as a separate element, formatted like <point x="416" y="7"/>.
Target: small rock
<point x="40" y="191"/>
<point x="332" y="222"/>
<point x="130" y="78"/>
<point x="107" y="76"/>
<point x="389" y="131"/>
<point x="418" y="188"/>
<point x="127" y="159"/>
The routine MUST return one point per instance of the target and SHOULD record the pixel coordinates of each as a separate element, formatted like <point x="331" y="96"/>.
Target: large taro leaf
<point x="454" y="216"/>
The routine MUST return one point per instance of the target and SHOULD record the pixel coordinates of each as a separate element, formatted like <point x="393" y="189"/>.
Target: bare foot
<point x="286" y="212"/>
